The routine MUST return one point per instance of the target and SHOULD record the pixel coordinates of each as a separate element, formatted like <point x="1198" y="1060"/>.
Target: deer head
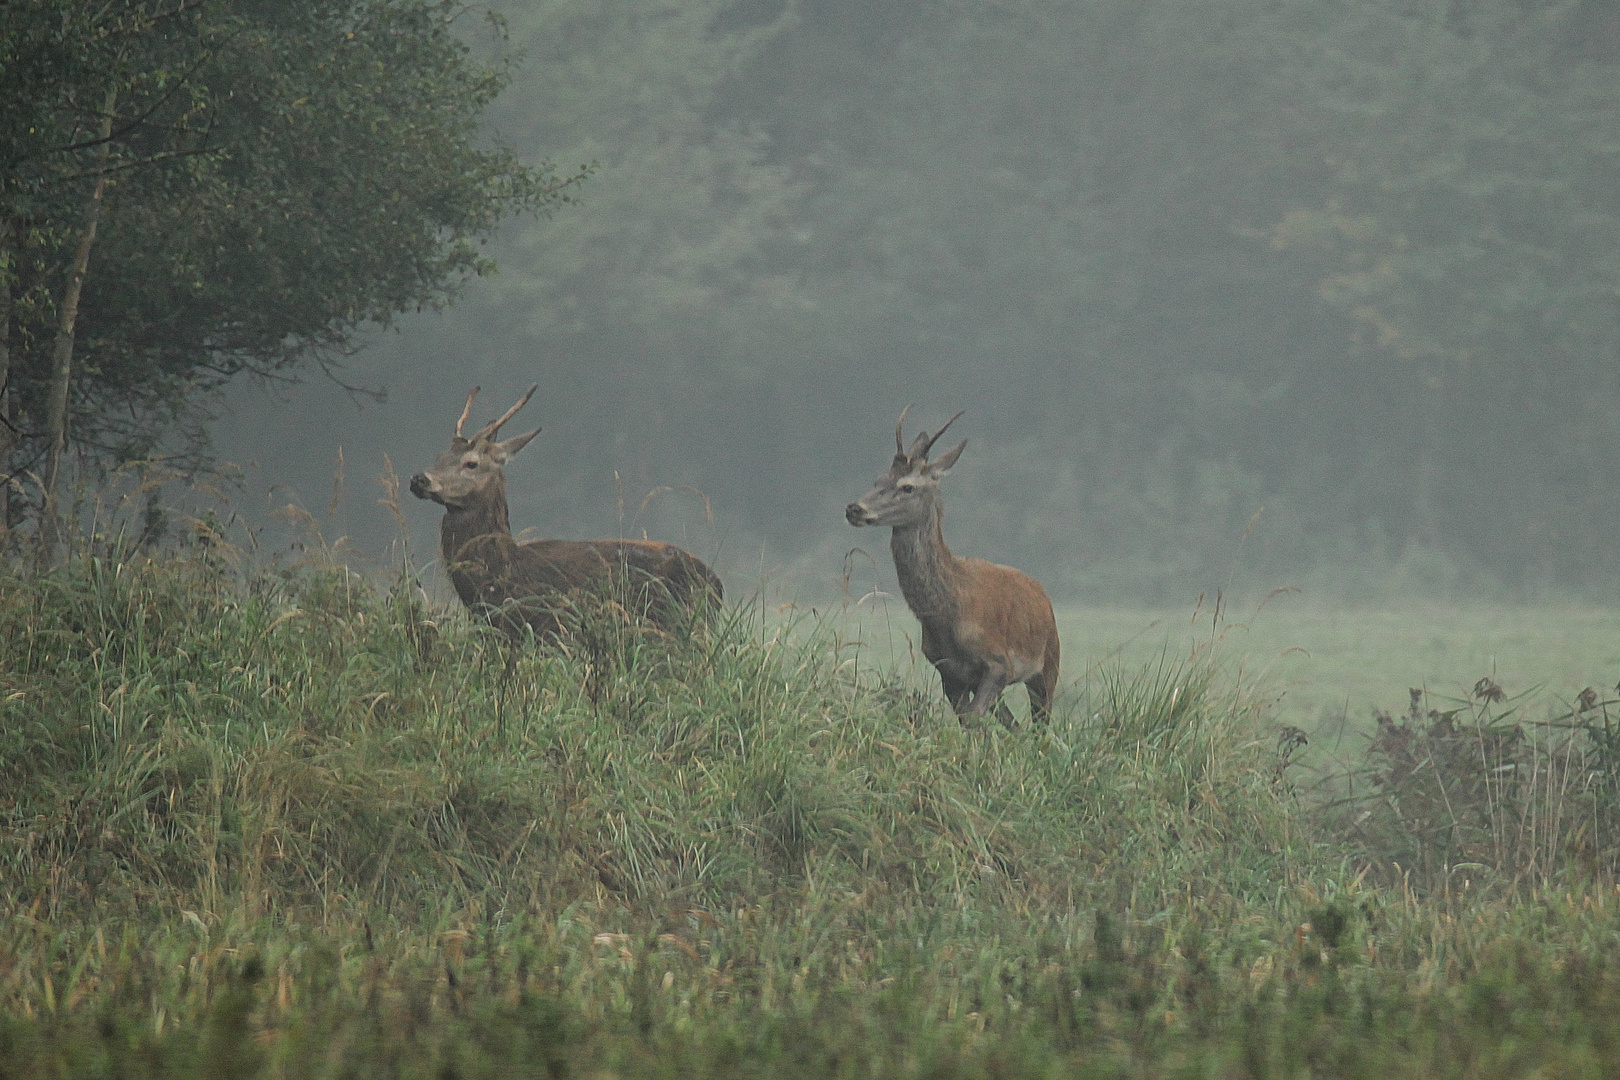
<point x="469" y="473"/>
<point x="906" y="494"/>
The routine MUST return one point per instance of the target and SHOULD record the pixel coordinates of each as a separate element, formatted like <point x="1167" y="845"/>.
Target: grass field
<point x="281" y="822"/>
<point x="1330" y="668"/>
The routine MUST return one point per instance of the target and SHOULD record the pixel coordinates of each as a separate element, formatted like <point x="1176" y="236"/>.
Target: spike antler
<point x="940" y="432"/>
<point x="899" y="441"/>
<point x="491" y="429"/>
<point x="465" y="409"/>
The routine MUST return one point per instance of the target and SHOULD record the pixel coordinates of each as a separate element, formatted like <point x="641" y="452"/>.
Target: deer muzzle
<point x="422" y="486"/>
<point x="858" y="515"/>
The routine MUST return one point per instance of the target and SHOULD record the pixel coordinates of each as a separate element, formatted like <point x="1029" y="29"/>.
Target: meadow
<point x="1327" y="668"/>
<point x="286" y="821"/>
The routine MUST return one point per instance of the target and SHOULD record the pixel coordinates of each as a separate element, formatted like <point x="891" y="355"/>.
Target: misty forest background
<point x="1354" y="262"/>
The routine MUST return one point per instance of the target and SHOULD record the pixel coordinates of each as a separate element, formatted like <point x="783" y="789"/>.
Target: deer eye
<point x="473" y="464"/>
<point x="908" y="487"/>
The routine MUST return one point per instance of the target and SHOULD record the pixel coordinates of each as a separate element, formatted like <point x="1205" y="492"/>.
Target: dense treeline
<point x="1349" y="262"/>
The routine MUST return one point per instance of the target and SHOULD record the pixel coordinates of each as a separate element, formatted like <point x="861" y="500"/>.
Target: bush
<point x="1476" y="793"/>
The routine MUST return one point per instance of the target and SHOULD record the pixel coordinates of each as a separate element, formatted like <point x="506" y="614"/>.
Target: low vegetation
<point x="287" y="823"/>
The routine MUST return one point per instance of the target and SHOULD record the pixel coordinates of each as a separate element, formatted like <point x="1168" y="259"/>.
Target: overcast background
<point x="1352" y="262"/>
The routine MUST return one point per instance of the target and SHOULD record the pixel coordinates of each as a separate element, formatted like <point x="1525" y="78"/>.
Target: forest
<point x="1345" y="265"/>
<point x="1348" y="266"/>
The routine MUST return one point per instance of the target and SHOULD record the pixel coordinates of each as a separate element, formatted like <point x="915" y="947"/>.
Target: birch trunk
<point x="56" y="402"/>
<point x="9" y="254"/>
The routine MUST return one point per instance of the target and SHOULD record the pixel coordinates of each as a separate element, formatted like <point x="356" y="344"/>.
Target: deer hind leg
<point x="1043" y="687"/>
<point x="1040" y="699"/>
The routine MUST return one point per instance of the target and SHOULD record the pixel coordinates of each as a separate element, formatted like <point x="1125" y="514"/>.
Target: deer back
<point x="524" y="583"/>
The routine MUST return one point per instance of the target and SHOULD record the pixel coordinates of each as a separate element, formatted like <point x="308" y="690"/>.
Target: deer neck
<point x="485" y="516"/>
<point x="926" y="568"/>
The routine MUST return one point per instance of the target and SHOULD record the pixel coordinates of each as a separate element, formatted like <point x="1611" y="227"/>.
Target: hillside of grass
<point x="287" y="822"/>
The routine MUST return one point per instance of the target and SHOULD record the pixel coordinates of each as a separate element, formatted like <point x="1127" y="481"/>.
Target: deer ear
<point x="504" y="450"/>
<point x="943" y="465"/>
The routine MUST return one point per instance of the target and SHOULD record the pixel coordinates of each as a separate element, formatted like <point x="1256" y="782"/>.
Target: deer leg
<point x="988" y="693"/>
<point x="1004" y="714"/>
<point x="957" y="689"/>
<point x="1043" y="688"/>
<point x="1040" y="699"/>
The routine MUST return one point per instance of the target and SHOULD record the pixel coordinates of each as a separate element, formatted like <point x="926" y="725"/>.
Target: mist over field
<point x="1342" y="270"/>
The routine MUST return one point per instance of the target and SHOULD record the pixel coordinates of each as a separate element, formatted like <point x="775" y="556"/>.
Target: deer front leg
<point x="988" y="694"/>
<point x="957" y="686"/>
<point x="1004" y="714"/>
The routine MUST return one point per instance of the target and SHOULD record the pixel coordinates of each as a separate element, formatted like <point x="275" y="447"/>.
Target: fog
<point x="1234" y="295"/>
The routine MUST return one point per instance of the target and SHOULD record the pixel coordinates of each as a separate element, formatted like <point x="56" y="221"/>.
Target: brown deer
<point x="527" y="584"/>
<point x="983" y="626"/>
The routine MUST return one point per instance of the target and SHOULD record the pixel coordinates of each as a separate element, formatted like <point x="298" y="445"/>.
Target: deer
<point x="984" y="626"/>
<point x="527" y="584"/>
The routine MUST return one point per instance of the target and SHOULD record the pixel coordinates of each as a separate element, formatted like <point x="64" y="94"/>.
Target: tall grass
<point x="287" y="821"/>
<point x="178" y="735"/>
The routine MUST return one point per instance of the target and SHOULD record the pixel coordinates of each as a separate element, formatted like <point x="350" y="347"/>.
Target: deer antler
<point x="899" y="441"/>
<point x="465" y="409"/>
<point x="491" y="429"/>
<point x="940" y="432"/>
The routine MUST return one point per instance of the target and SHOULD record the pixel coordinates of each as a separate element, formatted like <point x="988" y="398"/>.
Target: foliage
<point x="664" y="283"/>
<point x="1183" y="230"/>
<point x="279" y="177"/>
<point x="544" y="1000"/>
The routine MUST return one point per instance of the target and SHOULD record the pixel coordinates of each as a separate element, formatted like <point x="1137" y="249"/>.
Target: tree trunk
<point x="56" y="402"/>
<point x="9" y="255"/>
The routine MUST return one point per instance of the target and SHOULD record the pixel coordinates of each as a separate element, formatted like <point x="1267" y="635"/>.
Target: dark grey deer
<point x="527" y="584"/>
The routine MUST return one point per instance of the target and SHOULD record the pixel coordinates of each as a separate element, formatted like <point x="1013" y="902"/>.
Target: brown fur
<point x="528" y="584"/>
<point x="983" y="625"/>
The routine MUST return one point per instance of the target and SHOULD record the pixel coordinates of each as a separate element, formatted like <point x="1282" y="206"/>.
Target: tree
<point x="1466" y="229"/>
<point x="275" y="176"/>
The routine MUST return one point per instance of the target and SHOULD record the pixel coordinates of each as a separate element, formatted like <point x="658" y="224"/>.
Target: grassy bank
<point x="289" y="823"/>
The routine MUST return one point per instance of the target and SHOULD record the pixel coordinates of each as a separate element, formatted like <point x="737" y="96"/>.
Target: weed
<point x="1473" y="795"/>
